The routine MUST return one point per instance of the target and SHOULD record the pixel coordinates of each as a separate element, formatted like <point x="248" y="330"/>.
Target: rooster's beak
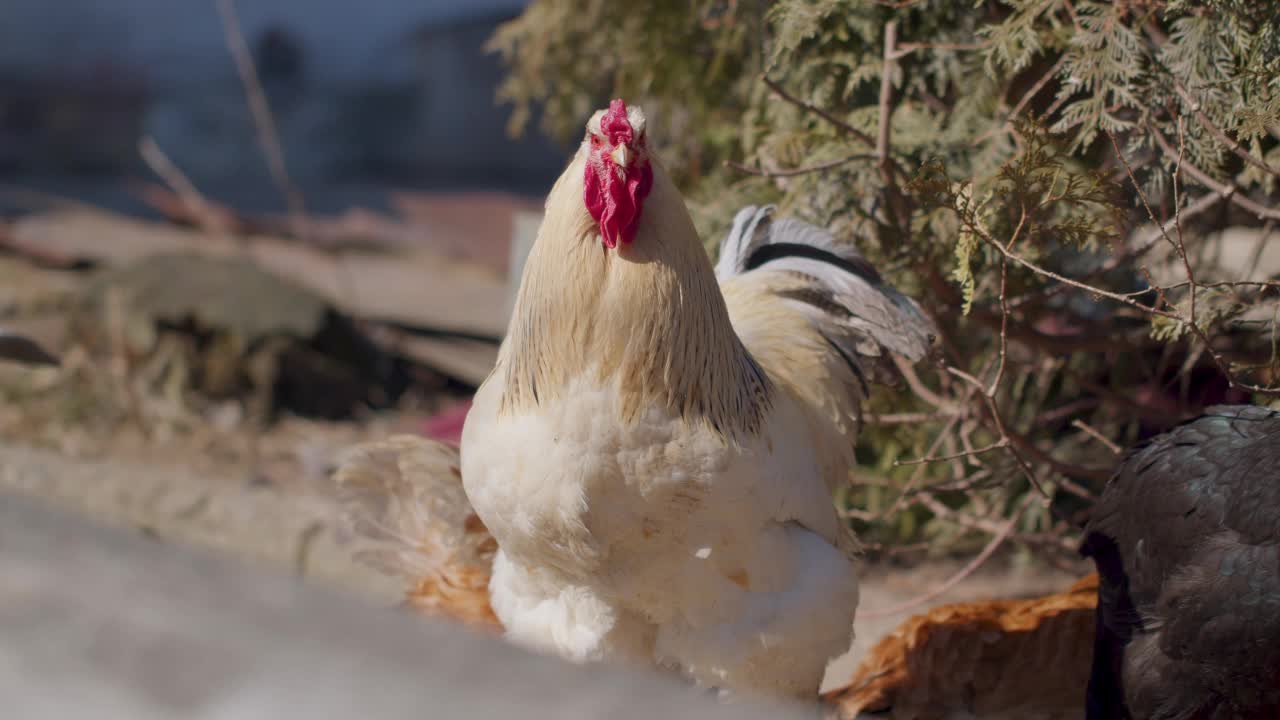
<point x="622" y="156"/>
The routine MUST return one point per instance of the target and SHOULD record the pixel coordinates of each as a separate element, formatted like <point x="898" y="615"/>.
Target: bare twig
<point x="897" y="203"/>
<point x="917" y="475"/>
<point x="1005" y="436"/>
<point x="832" y="119"/>
<point x="1226" y="190"/>
<point x="1237" y="284"/>
<point x="1004" y="307"/>
<point x="810" y="107"/>
<point x="982" y="477"/>
<point x="1181" y="245"/>
<point x="910" y="418"/>
<point x="1035" y="89"/>
<point x="996" y="541"/>
<point x="262" y="118"/>
<point x="1118" y="297"/>
<point x="953" y="456"/>
<point x="886" y="95"/>
<point x="762" y="172"/>
<point x="906" y="49"/>
<point x="1177" y="217"/>
<point x="986" y="525"/>
<point x="1027" y="97"/>
<point x="919" y="388"/>
<point x="1092" y="432"/>
<point x="1161" y="230"/>
<point x="197" y="205"/>
<point x="1022" y="443"/>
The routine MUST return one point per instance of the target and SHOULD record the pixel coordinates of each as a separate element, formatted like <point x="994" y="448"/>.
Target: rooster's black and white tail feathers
<point x="850" y="304"/>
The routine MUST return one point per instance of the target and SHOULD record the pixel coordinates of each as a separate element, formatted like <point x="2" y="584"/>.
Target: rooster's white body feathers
<point x="661" y="541"/>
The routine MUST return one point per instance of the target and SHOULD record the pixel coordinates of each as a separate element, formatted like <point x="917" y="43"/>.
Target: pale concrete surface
<point x="104" y="623"/>
<point x="296" y="531"/>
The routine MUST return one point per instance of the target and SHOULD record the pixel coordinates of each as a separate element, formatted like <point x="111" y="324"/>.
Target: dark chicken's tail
<point x="1113" y="628"/>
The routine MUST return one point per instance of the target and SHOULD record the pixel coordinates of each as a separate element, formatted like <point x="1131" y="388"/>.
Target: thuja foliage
<point x="1033" y="148"/>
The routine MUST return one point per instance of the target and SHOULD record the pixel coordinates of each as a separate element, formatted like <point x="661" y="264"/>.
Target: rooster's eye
<point x="595" y="141"/>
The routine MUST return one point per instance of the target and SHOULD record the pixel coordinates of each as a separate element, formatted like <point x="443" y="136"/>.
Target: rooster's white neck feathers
<point x="648" y="317"/>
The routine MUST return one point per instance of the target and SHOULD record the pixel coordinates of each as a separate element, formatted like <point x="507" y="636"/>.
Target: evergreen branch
<point x="1217" y="132"/>
<point x="1160" y="40"/>
<point x="1224" y="189"/>
<point x="810" y="107"/>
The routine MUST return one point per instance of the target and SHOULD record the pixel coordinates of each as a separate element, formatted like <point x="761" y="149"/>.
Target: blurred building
<point x="375" y="93"/>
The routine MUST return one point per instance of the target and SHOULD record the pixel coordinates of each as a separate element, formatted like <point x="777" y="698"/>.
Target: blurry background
<point x="286" y="209"/>
<point x="252" y="233"/>
<point x="386" y="93"/>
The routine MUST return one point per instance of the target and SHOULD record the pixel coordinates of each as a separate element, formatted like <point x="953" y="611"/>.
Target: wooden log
<point x="106" y="624"/>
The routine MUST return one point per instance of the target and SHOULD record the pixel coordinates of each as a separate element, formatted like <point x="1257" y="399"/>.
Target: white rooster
<point x="656" y="449"/>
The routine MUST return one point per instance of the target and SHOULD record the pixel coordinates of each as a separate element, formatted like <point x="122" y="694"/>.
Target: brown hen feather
<point x="405" y="504"/>
<point x="1026" y="659"/>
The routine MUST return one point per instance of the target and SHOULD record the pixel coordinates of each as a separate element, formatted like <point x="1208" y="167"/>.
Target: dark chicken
<point x="1186" y="539"/>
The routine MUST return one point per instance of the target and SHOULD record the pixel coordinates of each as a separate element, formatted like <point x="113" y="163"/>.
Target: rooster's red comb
<point x="616" y="125"/>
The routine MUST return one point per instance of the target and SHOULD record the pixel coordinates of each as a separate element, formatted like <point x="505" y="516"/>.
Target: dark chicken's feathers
<point x="1186" y="539"/>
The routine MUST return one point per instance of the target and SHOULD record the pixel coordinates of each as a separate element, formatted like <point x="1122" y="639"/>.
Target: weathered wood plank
<point x="411" y="287"/>
<point x="105" y="624"/>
